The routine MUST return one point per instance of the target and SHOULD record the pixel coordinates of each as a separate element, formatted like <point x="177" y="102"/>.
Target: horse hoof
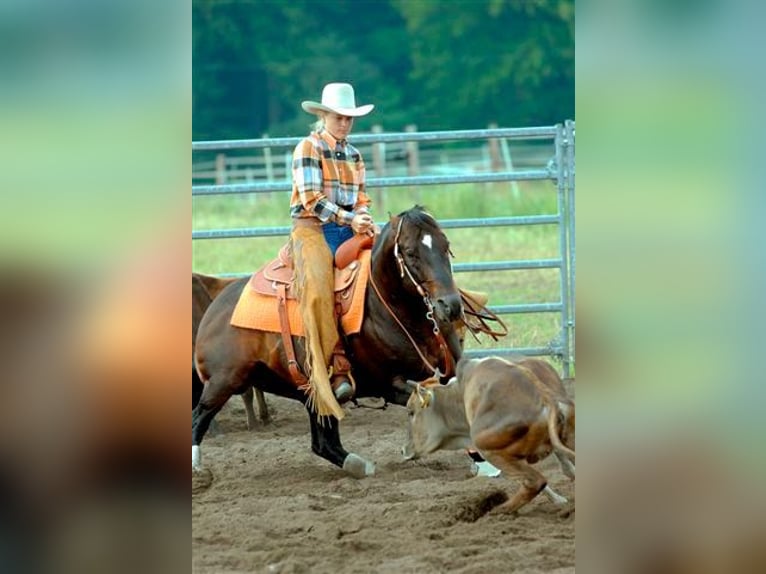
<point x="357" y="467"/>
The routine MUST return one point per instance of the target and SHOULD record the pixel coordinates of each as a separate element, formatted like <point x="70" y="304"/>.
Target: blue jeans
<point x="336" y="234"/>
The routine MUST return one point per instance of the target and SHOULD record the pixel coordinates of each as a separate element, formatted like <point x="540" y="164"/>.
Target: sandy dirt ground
<point x="265" y="503"/>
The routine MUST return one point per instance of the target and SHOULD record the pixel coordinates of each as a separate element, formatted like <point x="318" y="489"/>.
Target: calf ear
<point x="411" y="385"/>
<point x="430" y="381"/>
<point x="425" y="395"/>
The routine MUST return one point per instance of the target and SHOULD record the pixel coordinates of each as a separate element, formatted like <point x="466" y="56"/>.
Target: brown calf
<point x="513" y="413"/>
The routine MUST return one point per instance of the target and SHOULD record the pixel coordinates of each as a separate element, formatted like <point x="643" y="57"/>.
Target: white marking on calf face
<point x="427" y="240"/>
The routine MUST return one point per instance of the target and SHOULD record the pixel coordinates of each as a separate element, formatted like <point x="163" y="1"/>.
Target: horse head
<point x="422" y="255"/>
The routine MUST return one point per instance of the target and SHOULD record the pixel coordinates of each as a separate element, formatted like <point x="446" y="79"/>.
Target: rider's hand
<point x="362" y="223"/>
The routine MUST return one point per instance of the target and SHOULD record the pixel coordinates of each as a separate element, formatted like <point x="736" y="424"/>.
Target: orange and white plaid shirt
<point x="328" y="180"/>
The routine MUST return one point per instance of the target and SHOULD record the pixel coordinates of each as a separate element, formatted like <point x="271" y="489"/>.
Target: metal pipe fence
<point x="560" y="170"/>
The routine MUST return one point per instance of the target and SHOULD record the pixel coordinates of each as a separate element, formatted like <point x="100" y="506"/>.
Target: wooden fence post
<point x="509" y="165"/>
<point x="268" y="161"/>
<point x="494" y="151"/>
<point x="413" y="159"/>
<point x="220" y="169"/>
<point x="500" y="158"/>
<point x="379" y="165"/>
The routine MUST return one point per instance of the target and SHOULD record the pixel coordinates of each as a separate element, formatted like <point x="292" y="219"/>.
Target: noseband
<point x="404" y="270"/>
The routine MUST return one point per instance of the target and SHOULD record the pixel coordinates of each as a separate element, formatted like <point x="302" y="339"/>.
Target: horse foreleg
<point x="325" y="442"/>
<point x="214" y="396"/>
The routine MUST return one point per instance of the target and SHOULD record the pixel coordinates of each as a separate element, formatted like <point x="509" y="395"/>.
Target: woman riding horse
<point x="411" y="305"/>
<point x="328" y="205"/>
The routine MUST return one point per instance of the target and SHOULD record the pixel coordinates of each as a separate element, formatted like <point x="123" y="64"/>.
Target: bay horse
<point x="205" y="288"/>
<point x="408" y="331"/>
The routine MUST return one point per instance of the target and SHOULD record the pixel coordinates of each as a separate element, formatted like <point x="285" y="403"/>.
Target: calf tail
<point x="553" y="413"/>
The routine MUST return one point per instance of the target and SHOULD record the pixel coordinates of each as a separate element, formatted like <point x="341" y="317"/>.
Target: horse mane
<point x="419" y="216"/>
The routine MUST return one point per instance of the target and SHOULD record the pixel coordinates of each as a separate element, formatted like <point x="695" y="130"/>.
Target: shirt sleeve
<point x="307" y="178"/>
<point x="363" y="200"/>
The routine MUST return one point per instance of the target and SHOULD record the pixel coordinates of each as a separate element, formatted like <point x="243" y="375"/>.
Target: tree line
<point x="438" y="64"/>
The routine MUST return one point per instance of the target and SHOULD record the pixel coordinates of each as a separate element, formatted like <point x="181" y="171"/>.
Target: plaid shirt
<point x="328" y="180"/>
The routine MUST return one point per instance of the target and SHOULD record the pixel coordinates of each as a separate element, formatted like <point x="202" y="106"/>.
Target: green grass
<point x="216" y="256"/>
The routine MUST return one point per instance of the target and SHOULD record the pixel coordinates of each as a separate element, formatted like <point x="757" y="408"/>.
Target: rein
<point x="448" y="363"/>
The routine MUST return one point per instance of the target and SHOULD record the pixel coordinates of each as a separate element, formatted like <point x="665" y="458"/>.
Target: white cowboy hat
<point x="338" y="98"/>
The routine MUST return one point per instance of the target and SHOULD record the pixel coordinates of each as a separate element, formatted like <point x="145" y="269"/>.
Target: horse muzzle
<point x="449" y="307"/>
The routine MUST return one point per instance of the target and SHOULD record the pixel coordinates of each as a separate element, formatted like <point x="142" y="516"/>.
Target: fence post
<point x="569" y="127"/>
<point x="379" y="165"/>
<point x="413" y="159"/>
<point x="220" y="169"/>
<point x="562" y="202"/>
<point x="494" y="151"/>
<point x="268" y="161"/>
<point x="288" y="166"/>
<point x="500" y="157"/>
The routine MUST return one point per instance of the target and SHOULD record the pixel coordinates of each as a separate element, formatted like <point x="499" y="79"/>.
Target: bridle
<point x="404" y="270"/>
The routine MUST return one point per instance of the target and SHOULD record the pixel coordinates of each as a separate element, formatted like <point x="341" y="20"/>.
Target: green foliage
<point x="437" y="64"/>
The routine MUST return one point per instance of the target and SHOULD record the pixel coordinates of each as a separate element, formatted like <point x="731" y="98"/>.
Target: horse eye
<point x="410" y="252"/>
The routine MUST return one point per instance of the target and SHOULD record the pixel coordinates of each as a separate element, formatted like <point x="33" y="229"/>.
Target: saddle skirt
<point x="258" y="305"/>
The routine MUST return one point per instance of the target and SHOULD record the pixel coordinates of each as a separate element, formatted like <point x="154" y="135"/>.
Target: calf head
<point x="420" y="419"/>
<point x="436" y="418"/>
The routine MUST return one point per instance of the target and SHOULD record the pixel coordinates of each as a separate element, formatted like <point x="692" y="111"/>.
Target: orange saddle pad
<point x="257" y="307"/>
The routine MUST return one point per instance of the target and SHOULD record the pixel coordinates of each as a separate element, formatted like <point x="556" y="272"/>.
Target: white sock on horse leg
<point x="485" y="468"/>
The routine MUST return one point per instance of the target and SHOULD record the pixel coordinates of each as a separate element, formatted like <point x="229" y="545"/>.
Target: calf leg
<point x="263" y="410"/>
<point x="532" y="481"/>
<point x="554" y="496"/>
<point x="566" y="465"/>
<point x="247" y="401"/>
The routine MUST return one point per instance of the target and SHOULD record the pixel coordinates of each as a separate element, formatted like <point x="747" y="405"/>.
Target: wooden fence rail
<point x="393" y="159"/>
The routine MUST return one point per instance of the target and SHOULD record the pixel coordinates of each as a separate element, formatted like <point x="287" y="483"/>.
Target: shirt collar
<point x="328" y="137"/>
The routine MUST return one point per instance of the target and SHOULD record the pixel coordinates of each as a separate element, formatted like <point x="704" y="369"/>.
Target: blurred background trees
<point x="439" y="64"/>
